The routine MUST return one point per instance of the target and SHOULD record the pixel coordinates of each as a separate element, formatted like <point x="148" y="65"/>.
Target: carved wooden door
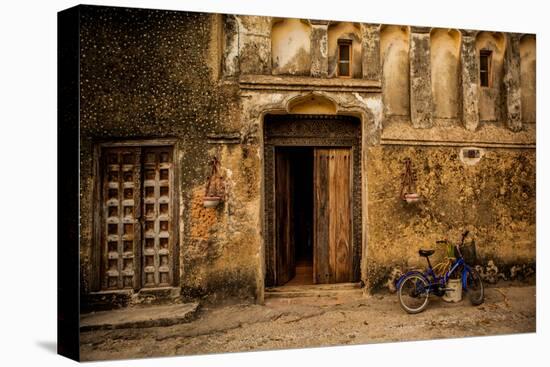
<point x="136" y="234"/>
<point x="332" y="253"/>
<point x="284" y="232"/>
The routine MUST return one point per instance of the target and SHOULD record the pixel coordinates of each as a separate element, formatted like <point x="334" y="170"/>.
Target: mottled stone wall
<point x="494" y="199"/>
<point x="421" y="80"/>
<point x="147" y="74"/>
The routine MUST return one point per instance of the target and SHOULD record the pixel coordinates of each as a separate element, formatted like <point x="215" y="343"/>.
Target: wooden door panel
<point x="332" y="187"/>
<point x="284" y="238"/>
<point x="121" y="211"/>
<point x="341" y="215"/>
<point x="321" y="266"/>
<point x="157" y="218"/>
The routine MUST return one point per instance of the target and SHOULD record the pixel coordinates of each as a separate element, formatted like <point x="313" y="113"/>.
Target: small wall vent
<point x="471" y="155"/>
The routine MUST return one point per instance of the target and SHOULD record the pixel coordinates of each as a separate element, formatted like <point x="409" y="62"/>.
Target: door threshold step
<point x="314" y="290"/>
<point x="139" y="317"/>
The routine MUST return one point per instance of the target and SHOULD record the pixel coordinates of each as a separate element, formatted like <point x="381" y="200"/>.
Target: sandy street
<point x="313" y="322"/>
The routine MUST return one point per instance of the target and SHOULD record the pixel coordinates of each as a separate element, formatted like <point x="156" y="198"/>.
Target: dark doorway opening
<point x="301" y="180"/>
<point x="312" y="199"/>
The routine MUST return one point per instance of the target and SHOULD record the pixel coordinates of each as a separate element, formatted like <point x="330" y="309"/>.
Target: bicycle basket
<point x="469" y="253"/>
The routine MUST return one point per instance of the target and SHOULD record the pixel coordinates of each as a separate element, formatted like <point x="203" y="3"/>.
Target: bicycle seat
<point x="426" y="253"/>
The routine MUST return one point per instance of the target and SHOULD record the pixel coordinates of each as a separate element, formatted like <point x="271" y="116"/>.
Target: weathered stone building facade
<point x="309" y="119"/>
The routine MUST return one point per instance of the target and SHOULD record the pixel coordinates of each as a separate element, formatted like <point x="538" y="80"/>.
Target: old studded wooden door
<point x="137" y="217"/>
<point x="332" y="254"/>
<point x="284" y="232"/>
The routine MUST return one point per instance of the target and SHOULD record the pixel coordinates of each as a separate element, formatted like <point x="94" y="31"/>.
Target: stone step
<point x="315" y="290"/>
<point x="139" y="317"/>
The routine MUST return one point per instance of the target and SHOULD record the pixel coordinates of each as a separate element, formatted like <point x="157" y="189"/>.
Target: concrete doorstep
<point x="139" y="317"/>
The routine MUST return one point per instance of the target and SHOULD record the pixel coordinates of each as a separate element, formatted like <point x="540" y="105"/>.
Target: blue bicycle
<point x="414" y="287"/>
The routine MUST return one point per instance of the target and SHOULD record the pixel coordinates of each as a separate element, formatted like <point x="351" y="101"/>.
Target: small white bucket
<point x="454" y="295"/>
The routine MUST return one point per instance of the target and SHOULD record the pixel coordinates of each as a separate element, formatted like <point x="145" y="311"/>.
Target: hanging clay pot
<point x="411" y="198"/>
<point x="211" y="201"/>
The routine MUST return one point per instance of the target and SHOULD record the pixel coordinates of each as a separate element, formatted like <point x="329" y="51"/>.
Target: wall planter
<point x="411" y="198"/>
<point x="211" y="201"/>
<point x="215" y="187"/>
<point x="408" y="184"/>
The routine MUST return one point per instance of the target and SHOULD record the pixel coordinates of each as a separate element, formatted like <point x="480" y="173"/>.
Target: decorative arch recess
<point x="344" y="31"/>
<point x="490" y="97"/>
<point x="394" y="59"/>
<point x="445" y="69"/>
<point x="299" y="130"/>
<point x="290" y="47"/>
<point x="528" y="69"/>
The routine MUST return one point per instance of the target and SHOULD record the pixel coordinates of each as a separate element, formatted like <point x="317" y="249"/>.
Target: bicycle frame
<point x="433" y="280"/>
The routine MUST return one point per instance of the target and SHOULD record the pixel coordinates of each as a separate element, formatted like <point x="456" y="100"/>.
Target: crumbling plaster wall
<point x="494" y="199"/>
<point x="445" y="65"/>
<point x="528" y="69"/>
<point x="491" y="98"/>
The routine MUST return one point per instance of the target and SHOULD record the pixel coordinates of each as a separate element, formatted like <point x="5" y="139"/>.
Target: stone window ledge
<point x="305" y="83"/>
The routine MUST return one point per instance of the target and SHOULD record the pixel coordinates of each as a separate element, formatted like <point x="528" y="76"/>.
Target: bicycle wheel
<point x="413" y="293"/>
<point x="474" y="287"/>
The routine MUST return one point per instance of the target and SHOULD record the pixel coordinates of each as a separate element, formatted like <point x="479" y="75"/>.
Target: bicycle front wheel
<point x="474" y="287"/>
<point x="413" y="293"/>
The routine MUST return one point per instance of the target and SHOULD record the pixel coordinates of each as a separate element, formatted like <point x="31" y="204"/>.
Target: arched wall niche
<point x="528" y="77"/>
<point x="491" y="97"/>
<point x="312" y="104"/>
<point x="394" y="59"/>
<point x="344" y="31"/>
<point x="290" y="47"/>
<point x="445" y="71"/>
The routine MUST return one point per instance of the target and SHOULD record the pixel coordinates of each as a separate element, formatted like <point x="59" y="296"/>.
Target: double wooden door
<point x="332" y="216"/>
<point x="137" y="217"/>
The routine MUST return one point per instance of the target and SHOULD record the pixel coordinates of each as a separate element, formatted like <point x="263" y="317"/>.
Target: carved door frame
<point x="293" y="130"/>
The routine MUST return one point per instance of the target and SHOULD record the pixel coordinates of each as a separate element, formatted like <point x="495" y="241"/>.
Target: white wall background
<point x="28" y="180"/>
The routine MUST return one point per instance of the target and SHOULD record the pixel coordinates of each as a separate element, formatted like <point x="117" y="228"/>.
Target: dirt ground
<point x="313" y="322"/>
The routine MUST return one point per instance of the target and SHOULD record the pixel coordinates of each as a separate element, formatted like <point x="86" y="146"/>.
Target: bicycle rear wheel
<point x="413" y="293"/>
<point x="474" y="287"/>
